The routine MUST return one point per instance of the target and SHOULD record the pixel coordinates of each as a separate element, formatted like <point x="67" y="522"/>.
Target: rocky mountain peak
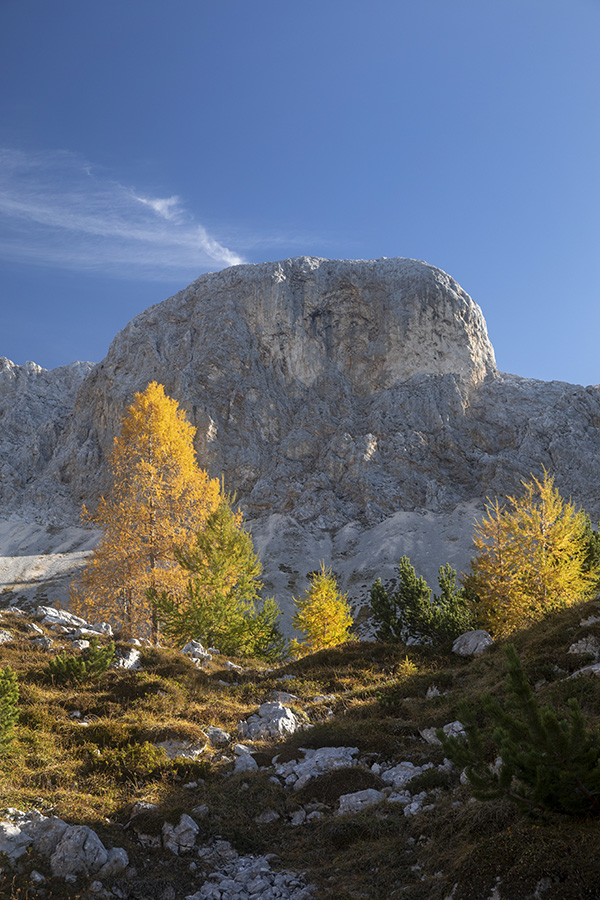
<point x="374" y="323"/>
<point x="278" y="361"/>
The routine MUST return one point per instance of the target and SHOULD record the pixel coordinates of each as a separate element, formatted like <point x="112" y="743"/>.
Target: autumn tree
<point x="532" y="557"/>
<point x="220" y="602"/>
<point x="158" y="499"/>
<point x="323" y="614"/>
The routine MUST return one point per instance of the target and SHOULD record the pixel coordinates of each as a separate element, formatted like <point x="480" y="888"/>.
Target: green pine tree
<point x="411" y="611"/>
<point x="591" y="539"/>
<point x="219" y="604"/>
<point x="266" y="639"/>
<point x="547" y="760"/>
<point x="389" y="607"/>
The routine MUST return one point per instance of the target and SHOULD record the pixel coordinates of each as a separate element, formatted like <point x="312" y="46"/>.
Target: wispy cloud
<point x="56" y="210"/>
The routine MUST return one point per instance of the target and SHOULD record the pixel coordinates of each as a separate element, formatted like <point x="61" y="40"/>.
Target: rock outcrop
<point x="354" y="406"/>
<point x="72" y="849"/>
<point x="35" y="405"/>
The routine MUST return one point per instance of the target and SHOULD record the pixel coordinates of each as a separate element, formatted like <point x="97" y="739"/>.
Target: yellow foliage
<point x="323" y="616"/>
<point x="529" y="558"/>
<point x="406" y="668"/>
<point x="158" y="500"/>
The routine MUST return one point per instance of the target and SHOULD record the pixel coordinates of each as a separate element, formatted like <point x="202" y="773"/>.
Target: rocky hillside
<point x="186" y="775"/>
<point x="355" y="407"/>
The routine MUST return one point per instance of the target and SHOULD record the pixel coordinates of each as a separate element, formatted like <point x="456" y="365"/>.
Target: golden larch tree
<point x="530" y="558"/>
<point x="323" y="615"/>
<point x="158" y="500"/>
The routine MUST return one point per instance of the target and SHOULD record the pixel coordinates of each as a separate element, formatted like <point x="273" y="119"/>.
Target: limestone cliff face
<point x="291" y="372"/>
<point x="354" y="406"/>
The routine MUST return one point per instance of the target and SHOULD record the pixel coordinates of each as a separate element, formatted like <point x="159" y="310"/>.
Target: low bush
<point x="65" y="669"/>
<point x="134" y="762"/>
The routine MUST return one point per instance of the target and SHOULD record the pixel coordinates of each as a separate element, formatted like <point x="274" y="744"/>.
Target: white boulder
<point x="417" y="804"/>
<point x="14" y="840"/>
<point x="452" y="729"/>
<point x="47" y="831"/>
<point x="594" y="669"/>
<point x="186" y="749"/>
<point x="51" y="616"/>
<point x="298" y="817"/>
<point x="283" y="697"/>
<point x="217" y="737"/>
<point x="128" y="660"/>
<point x="316" y="763"/>
<point x="43" y="642"/>
<point x="79" y="852"/>
<point x="80" y="645"/>
<point x="195" y="650"/>
<point x="234" y="667"/>
<point x="267" y="817"/>
<point x="23" y="829"/>
<point x="472" y="643"/>
<point x="116" y="863"/>
<point x="180" y="838"/>
<point x="350" y="803"/>
<point x="245" y="764"/>
<point x="586" y="645"/>
<point x="400" y="775"/>
<point x="273" y="720"/>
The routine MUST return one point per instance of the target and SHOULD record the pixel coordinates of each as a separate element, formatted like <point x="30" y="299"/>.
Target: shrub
<point x="9" y="698"/>
<point x="133" y="762"/>
<point x="65" y="669"/>
<point x="546" y="760"/>
<point x="411" y="612"/>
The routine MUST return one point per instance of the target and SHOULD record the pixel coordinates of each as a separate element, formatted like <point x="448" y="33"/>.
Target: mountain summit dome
<point x="375" y="322"/>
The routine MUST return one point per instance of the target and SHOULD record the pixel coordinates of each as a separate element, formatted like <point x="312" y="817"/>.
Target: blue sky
<point x="145" y="142"/>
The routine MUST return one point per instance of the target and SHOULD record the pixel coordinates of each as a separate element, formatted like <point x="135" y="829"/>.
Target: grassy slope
<point x="86" y="775"/>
